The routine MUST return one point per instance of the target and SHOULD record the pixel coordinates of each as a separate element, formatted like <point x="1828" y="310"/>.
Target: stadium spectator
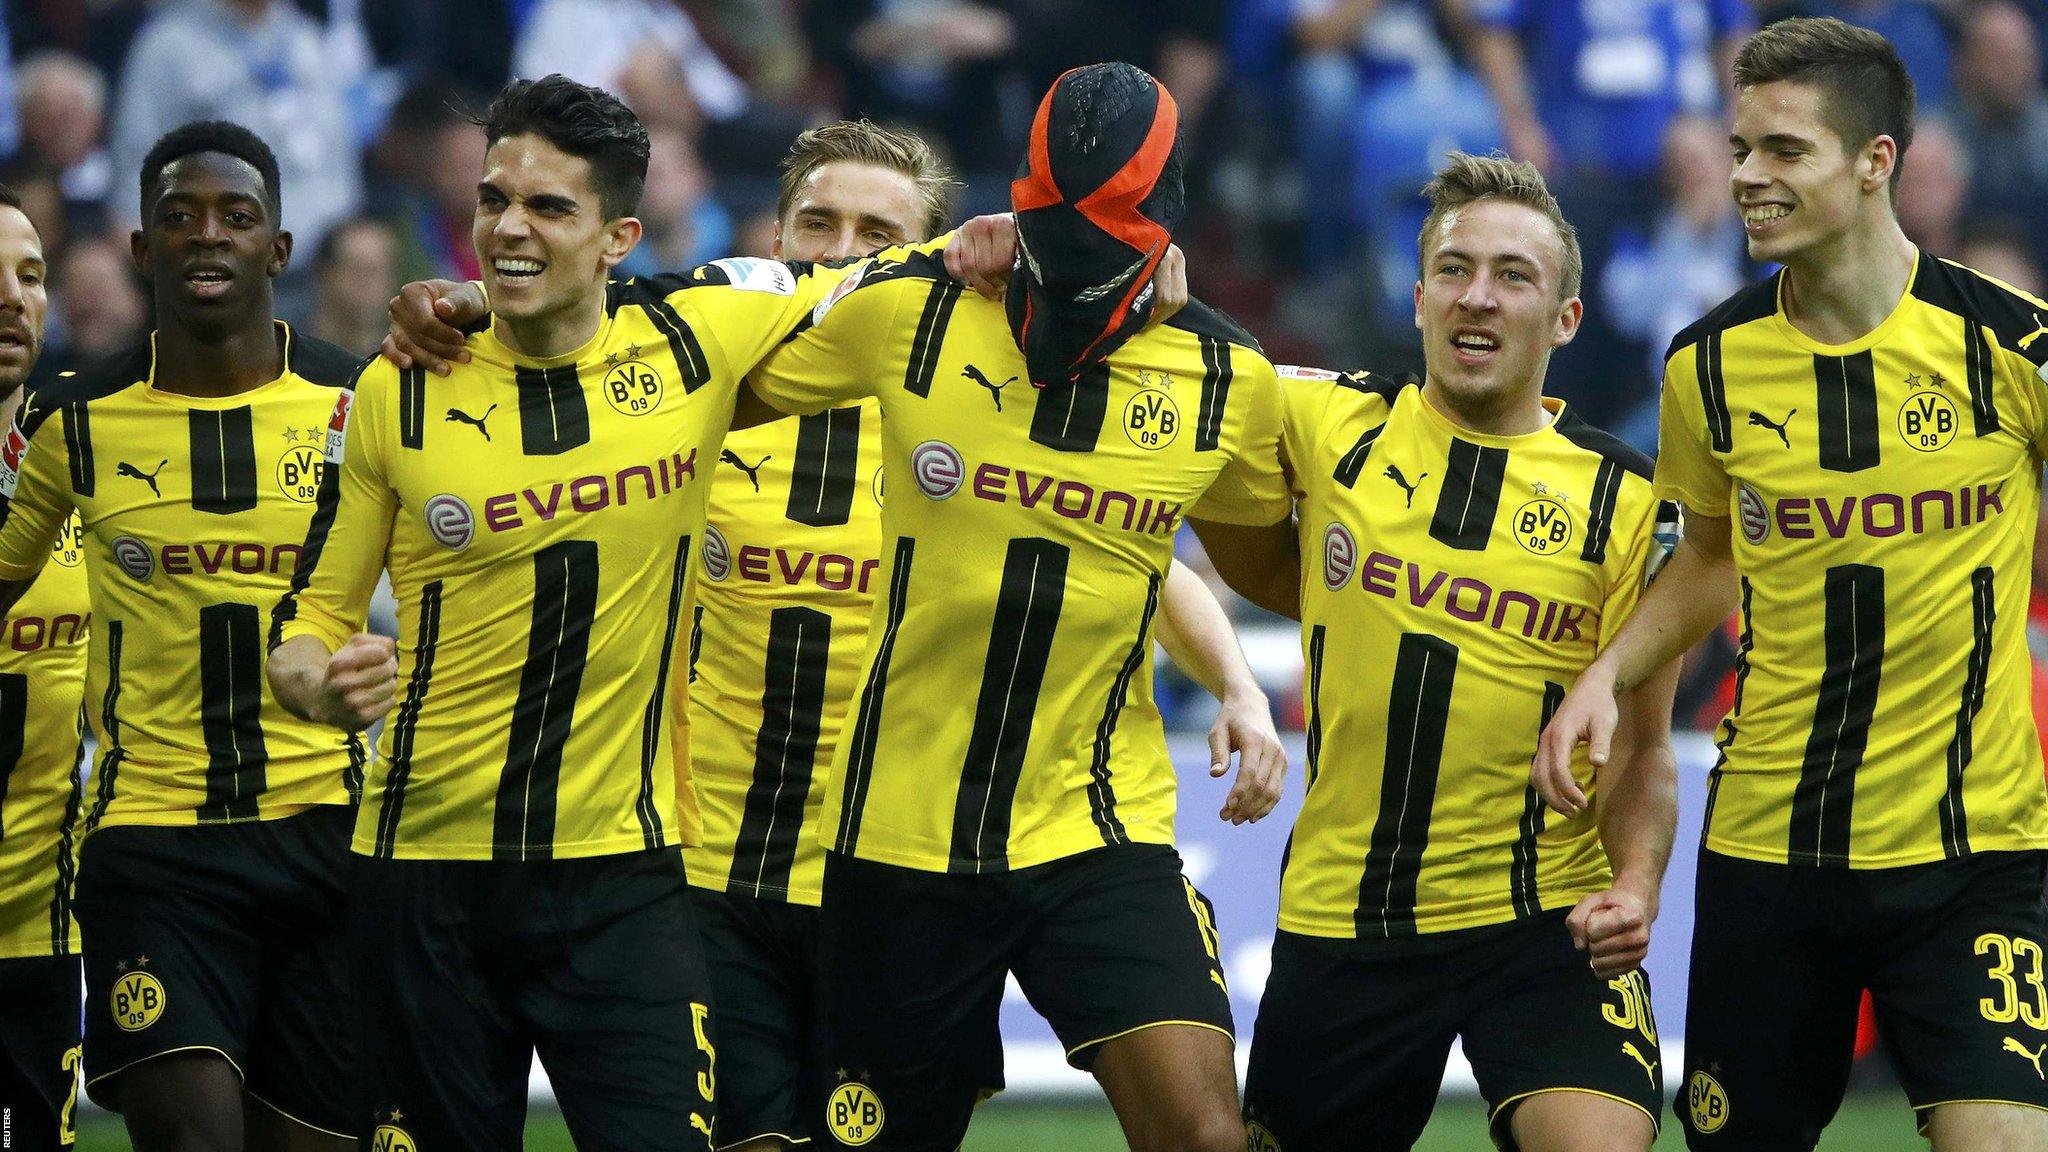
<point x="1584" y="92"/>
<point x="263" y="64"/>
<point x="355" y="274"/>
<point x="1934" y="187"/>
<point x="682" y="224"/>
<point x="431" y="153"/>
<point x="97" y="304"/>
<point x="63" y="104"/>
<point x="2001" y="113"/>
<point x="2000" y="248"/>
<point x="1689" y="259"/>
<point x="647" y="51"/>
<point x="936" y="65"/>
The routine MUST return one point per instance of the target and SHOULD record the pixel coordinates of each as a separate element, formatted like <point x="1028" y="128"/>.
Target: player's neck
<point x="237" y="359"/>
<point x="1515" y="413"/>
<point x="11" y="403"/>
<point x="556" y="333"/>
<point x="1839" y="292"/>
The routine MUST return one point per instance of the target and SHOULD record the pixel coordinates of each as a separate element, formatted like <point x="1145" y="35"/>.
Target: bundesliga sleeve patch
<point x="1298" y="372"/>
<point x="337" y="427"/>
<point x="754" y="274"/>
<point x="13" y="449"/>
<point x="1664" y="536"/>
<point x="840" y="290"/>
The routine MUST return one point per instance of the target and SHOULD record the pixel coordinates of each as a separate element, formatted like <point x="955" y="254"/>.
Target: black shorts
<point x="1104" y="944"/>
<point x="468" y="967"/>
<point x="1352" y="1035"/>
<point x="227" y="938"/>
<point x="1951" y="953"/>
<point x="762" y="955"/>
<point x="38" y="1052"/>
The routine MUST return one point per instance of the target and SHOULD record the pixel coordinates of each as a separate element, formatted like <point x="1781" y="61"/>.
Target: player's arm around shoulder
<point x="322" y="667"/>
<point x="837" y="352"/>
<point x="35" y="495"/>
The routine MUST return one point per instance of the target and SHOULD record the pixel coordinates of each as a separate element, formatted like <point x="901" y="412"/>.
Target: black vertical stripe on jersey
<point x="785" y="749"/>
<point x="1713" y="391"/>
<point x="223" y="460"/>
<point x="412" y="408"/>
<point x="553" y="417"/>
<point x="13" y="730"/>
<point x="1725" y="739"/>
<point x="822" y="480"/>
<point x="1955" y="829"/>
<point x="1419" y="706"/>
<point x="1352" y="463"/>
<point x="654" y="717"/>
<point x="682" y="343"/>
<point x="1101" y="790"/>
<point x="326" y="500"/>
<point x="67" y="849"/>
<point x="1600" y="511"/>
<point x="1977" y="369"/>
<point x="1523" y="882"/>
<point x="1316" y="637"/>
<point x="109" y="766"/>
<point x="1020" y="642"/>
<point x="1216" y="374"/>
<point x="398" y="770"/>
<point x="78" y="446"/>
<point x="1067" y="416"/>
<point x="358" y="760"/>
<point x="565" y="580"/>
<point x="231" y="710"/>
<point x="696" y="639"/>
<point x="1853" y="645"/>
<point x="867" y="722"/>
<point x="1470" y="495"/>
<point x="1846" y="410"/>
<point x="923" y="365"/>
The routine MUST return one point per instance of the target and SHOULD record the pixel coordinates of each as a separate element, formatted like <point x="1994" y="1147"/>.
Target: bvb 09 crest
<point x="854" y="1113"/>
<point x="631" y="386"/>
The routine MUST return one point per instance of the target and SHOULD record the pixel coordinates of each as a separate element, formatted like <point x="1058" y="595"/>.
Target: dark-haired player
<point x="1470" y="545"/>
<point x="209" y="889"/>
<point x="1002" y="800"/>
<point x="42" y="681"/>
<point x="519" y="885"/>
<point x="782" y="600"/>
<point x="1858" y="444"/>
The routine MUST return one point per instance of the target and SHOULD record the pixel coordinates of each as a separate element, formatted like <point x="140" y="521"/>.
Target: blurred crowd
<point x="1310" y="125"/>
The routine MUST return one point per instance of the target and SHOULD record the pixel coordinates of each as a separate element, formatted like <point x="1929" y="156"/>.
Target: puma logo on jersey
<point x="729" y="457"/>
<point x="2034" y="1057"/>
<point x="1759" y="420"/>
<point x="1649" y="1066"/>
<point x="457" y="415"/>
<point x="1394" y="473"/>
<point x="994" y="390"/>
<point x="124" y="468"/>
<point x="2039" y="331"/>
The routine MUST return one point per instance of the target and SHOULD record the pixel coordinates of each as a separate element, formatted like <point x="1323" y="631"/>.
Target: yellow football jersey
<point x="193" y="510"/>
<point x="1454" y="585"/>
<point x="537" y="517"/>
<point x="42" y="692"/>
<point x="1884" y="495"/>
<point x="784" y="581"/>
<point x="1005" y="715"/>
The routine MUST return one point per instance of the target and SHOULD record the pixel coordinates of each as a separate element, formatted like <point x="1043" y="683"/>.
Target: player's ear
<point x="620" y="236"/>
<point x="138" y="250"/>
<point x="280" y="253"/>
<point x="1418" y="305"/>
<point x="1568" y="318"/>
<point x="1880" y="159"/>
